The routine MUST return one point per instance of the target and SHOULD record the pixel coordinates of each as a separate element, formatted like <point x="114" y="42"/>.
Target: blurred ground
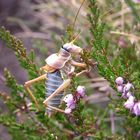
<point x="39" y="23"/>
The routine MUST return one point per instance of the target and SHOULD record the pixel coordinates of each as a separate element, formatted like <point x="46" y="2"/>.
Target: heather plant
<point x="81" y="120"/>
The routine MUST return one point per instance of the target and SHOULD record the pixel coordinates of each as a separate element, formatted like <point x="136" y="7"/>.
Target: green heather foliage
<point x="83" y="123"/>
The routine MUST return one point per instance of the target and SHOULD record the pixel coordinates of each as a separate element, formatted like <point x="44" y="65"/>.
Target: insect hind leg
<point x="50" y="110"/>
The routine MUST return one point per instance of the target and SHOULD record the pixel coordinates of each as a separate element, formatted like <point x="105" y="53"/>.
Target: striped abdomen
<point x="54" y="80"/>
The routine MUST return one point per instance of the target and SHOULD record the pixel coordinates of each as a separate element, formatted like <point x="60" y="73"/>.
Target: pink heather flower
<point x="127" y="87"/>
<point x="136" y="109"/>
<point x="126" y="95"/>
<point x="71" y="105"/>
<point x="121" y="42"/>
<point x="136" y="1"/>
<point x="69" y="100"/>
<point x="68" y="110"/>
<point x="120" y="88"/>
<point x="80" y="91"/>
<point x="119" y="80"/>
<point x="129" y="103"/>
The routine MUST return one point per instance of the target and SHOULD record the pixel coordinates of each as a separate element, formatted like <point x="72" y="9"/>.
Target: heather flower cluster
<point x="136" y="1"/>
<point x="71" y="99"/>
<point x="125" y="90"/>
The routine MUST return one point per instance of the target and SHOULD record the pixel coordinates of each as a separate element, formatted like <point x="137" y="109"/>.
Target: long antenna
<point x="77" y="14"/>
<point x="75" y="38"/>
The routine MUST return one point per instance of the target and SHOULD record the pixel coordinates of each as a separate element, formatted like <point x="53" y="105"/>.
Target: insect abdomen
<point x="54" y="80"/>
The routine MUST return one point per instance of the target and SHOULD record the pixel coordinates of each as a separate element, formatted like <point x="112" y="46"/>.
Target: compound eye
<point x="65" y="49"/>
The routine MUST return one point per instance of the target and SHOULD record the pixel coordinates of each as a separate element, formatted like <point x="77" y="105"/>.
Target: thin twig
<point x="32" y="35"/>
<point x="2" y="78"/>
<point x="19" y="22"/>
<point x="124" y="34"/>
<point x="112" y="122"/>
<point x="122" y="15"/>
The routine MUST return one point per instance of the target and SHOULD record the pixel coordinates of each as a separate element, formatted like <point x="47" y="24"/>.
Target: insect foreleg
<point x="74" y="63"/>
<point x="83" y="71"/>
